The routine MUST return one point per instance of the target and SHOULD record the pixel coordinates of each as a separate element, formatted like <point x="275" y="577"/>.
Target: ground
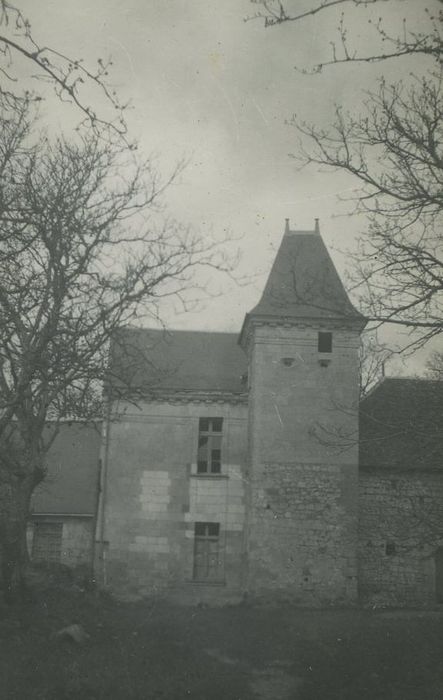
<point x="144" y="650"/>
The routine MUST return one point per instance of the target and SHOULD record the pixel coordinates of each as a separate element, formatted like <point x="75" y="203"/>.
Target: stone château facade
<point x="233" y="472"/>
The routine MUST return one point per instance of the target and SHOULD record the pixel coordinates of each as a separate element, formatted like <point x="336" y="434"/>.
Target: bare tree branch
<point x="406" y="42"/>
<point x="394" y="149"/>
<point x="70" y="77"/>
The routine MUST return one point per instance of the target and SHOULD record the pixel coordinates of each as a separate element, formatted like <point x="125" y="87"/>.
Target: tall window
<point x="324" y="341"/>
<point x="208" y="565"/>
<point x="47" y="541"/>
<point x="209" y="445"/>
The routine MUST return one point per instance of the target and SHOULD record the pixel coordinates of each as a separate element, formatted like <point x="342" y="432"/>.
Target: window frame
<point x="324" y="342"/>
<point x="204" y="570"/>
<point x="211" y="464"/>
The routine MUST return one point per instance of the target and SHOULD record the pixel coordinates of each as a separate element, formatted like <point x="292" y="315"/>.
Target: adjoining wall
<point x="400" y="531"/>
<point x="154" y="497"/>
<point x="303" y="436"/>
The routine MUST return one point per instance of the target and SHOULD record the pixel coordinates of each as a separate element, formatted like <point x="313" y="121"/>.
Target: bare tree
<point x="80" y="256"/>
<point x="393" y="148"/>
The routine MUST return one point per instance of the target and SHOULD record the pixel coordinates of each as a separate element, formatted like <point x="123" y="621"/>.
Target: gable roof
<point x="401" y="425"/>
<point x="70" y="487"/>
<point x="190" y="361"/>
<point x="303" y="282"/>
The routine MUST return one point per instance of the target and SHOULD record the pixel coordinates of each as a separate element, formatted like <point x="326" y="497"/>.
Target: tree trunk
<point x="14" y="505"/>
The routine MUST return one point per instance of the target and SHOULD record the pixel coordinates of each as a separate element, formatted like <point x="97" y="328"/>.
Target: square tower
<point x="302" y="343"/>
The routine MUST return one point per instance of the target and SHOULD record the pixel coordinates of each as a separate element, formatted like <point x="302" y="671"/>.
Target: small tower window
<point x="390" y="549"/>
<point x="324" y="341"/>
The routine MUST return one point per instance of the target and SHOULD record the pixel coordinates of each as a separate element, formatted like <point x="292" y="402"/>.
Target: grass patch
<point x="149" y="649"/>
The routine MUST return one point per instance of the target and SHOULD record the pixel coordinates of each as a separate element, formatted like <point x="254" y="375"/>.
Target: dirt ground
<point x="139" y="651"/>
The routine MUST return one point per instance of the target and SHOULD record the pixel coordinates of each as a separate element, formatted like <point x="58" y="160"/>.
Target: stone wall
<point x="154" y="497"/>
<point x="305" y="514"/>
<point x="400" y="530"/>
<point x="303" y="436"/>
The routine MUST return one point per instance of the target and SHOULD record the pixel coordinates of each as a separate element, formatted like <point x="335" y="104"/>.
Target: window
<point x="209" y="445"/>
<point x="324" y="341"/>
<point x="47" y="542"/>
<point x="390" y="549"/>
<point x="207" y="560"/>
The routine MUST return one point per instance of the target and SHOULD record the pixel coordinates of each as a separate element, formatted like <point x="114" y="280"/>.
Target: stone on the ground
<point x="74" y="633"/>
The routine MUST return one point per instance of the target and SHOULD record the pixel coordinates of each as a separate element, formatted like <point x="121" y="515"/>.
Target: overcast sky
<point x="209" y="86"/>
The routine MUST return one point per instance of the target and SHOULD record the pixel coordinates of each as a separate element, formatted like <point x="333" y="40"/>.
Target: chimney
<point x="317" y="226"/>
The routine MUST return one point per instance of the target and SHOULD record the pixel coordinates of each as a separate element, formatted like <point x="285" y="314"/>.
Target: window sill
<point x="194" y="475"/>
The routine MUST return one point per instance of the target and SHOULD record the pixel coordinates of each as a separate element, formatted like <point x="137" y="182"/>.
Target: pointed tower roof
<point x="304" y="285"/>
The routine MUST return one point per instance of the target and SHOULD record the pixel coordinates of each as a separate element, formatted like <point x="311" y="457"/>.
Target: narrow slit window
<point x="390" y="549"/>
<point x="208" y="565"/>
<point x="324" y="341"/>
<point x="209" y="445"/>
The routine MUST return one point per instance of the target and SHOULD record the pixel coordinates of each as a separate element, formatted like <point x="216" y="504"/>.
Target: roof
<point x="303" y="282"/>
<point x="154" y="360"/>
<point x="401" y="425"/>
<point x="71" y="484"/>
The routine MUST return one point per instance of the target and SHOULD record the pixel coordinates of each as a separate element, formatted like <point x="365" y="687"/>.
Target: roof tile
<point x="157" y="360"/>
<point x="401" y="425"/>
<point x="303" y="282"/>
